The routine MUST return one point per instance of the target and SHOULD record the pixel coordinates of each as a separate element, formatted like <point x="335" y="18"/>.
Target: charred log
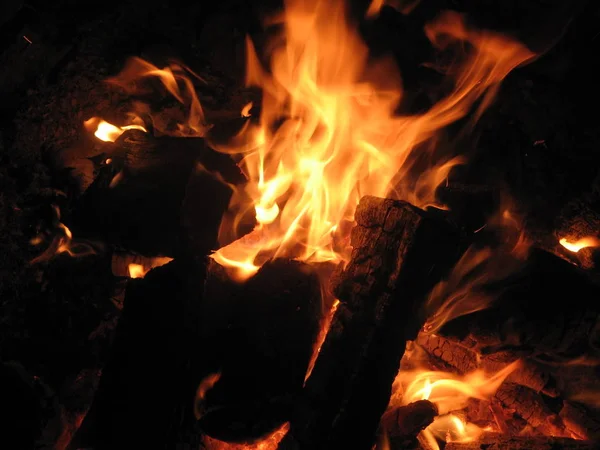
<point x="498" y="442"/>
<point x="157" y="196"/>
<point x="403" y="424"/>
<point x="144" y="394"/>
<point x="399" y="252"/>
<point x="264" y="333"/>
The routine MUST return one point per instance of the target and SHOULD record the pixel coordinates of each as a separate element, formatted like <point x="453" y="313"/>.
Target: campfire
<point x="326" y="274"/>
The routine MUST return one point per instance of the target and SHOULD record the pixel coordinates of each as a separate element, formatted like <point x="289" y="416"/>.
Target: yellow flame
<point x="108" y="132"/>
<point x="586" y="242"/>
<point x="328" y="135"/>
<point x="450" y="392"/>
<point x="140" y="269"/>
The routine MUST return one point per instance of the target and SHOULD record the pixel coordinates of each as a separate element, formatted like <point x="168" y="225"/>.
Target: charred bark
<point x="399" y="252"/>
<point x="263" y="333"/>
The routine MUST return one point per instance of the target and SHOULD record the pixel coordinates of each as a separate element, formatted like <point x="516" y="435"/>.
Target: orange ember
<point x="337" y="137"/>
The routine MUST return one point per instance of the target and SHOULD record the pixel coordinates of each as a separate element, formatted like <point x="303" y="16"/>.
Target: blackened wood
<point x="152" y="198"/>
<point x="406" y="422"/>
<point x="534" y="313"/>
<point x="491" y="441"/>
<point x="399" y="253"/>
<point x="263" y="333"/>
<point x="144" y="397"/>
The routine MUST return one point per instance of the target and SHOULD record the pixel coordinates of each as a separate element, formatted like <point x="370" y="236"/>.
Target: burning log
<point x="263" y="332"/>
<point x="157" y="196"/>
<point x="404" y="423"/>
<point x="399" y="252"/>
<point x="492" y="441"/>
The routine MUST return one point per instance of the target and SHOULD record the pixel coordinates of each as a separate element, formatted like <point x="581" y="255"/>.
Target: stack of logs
<point x="255" y="340"/>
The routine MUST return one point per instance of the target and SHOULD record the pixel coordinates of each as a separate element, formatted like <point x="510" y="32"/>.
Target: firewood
<point x="530" y="374"/>
<point x="492" y="441"/>
<point x="145" y="392"/>
<point x="152" y="198"/>
<point x="399" y="252"/>
<point x="580" y="421"/>
<point x="404" y="423"/>
<point x="530" y="316"/>
<point x="263" y="333"/>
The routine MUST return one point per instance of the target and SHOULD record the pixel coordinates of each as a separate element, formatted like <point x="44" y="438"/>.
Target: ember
<point x="318" y="259"/>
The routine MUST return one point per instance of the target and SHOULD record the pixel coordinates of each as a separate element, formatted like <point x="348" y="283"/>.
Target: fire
<point x="450" y="393"/>
<point x="586" y="242"/>
<point x="108" y="132"/>
<point x="61" y="241"/>
<point x="327" y="134"/>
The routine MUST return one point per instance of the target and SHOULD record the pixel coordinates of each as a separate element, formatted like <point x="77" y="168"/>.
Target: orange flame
<point x="450" y="393"/>
<point x="327" y="133"/>
<point x="586" y="242"/>
<point x="108" y="132"/>
<point x="177" y="80"/>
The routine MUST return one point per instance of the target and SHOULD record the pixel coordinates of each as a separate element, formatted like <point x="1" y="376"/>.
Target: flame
<point x="450" y="393"/>
<point x="108" y="132"/>
<point x="327" y="133"/>
<point x="464" y="289"/>
<point x="177" y="79"/>
<point x="205" y="385"/>
<point x="140" y="269"/>
<point x="588" y="241"/>
<point x="61" y="241"/>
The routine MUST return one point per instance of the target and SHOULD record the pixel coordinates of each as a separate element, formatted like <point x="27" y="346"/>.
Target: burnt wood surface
<point x="498" y="442"/>
<point x="263" y="333"/>
<point x="401" y="425"/>
<point x="398" y="254"/>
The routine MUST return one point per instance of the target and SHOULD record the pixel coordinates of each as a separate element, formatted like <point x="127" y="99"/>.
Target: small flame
<point x="246" y="110"/>
<point x="140" y="269"/>
<point x="205" y="385"/>
<point x="176" y="78"/>
<point x="327" y="134"/>
<point x="586" y="242"/>
<point x="108" y="132"/>
<point x="61" y="241"/>
<point x="450" y="393"/>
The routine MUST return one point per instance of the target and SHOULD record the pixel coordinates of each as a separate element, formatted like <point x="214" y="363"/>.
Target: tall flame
<point x="327" y="133"/>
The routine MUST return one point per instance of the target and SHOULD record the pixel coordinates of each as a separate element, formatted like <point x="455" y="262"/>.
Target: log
<point x="534" y="315"/>
<point x="491" y="441"/>
<point x="399" y="253"/>
<point x="151" y="198"/>
<point x="263" y="333"/>
<point x="403" y="424"/>
<point x="144" y="397"/>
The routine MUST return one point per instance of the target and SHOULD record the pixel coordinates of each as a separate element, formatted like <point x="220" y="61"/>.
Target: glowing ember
<point x="271" y="442"/>
<point x="337" y="137"/>
<point x="586" y="242"/>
